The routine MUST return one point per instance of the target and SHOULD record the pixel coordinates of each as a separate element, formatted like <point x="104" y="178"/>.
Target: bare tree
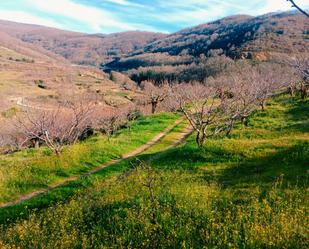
<point x="56" y="128"/>
<point x="266" y="79"/>
<point x="208" y="114"/>
<point x="297" y="7"/>
<point x="11" y="139"/>
<point x="155" y="95"/>
<point x="110" y="122"/>
<point x="253" y="85"/>
<point x="131" y="115"/>
<point x="293" y="85"/>
<point x="214" y="107"/>
<point x="301" y="66"/>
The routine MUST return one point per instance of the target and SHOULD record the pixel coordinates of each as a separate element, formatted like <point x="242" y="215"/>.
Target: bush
<point x="40" y="84"/>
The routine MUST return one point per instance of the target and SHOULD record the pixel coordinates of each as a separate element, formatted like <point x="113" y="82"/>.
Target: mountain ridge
<point x="270" y="37"/>
<point x="80" y="48"/>
<point x="262" y="37"/>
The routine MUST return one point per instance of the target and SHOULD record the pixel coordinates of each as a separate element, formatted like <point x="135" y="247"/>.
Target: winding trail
<point x="181" y="136"/>
<point x="20" y="101"/>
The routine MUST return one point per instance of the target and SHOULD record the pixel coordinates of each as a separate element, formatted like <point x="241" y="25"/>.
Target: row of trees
<point x="212" y="106"/>
<point x="301" y="72"/>
<point x="68" y="123"/>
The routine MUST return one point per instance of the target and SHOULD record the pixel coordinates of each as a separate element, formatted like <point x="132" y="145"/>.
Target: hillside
<point x="31" y="50"/>
<point x="195" y="139"/>
<point x="79" y="48"/>
<point x="267" y="37"/>
<point x="33" y="76"/>
<point x="248" y="190"/>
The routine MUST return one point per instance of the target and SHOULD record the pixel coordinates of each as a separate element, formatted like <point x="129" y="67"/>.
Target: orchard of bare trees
<point x="212" y="106"/>
<point x="68" y="123"/>
<point x="300" y="64"/>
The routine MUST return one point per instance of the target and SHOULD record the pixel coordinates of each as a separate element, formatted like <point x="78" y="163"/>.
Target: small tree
<point x="11" y="139"/>
<point x="208" y="114"/>
<point x="55" y="128"/>
<point x="131" y="116"/>
<point x="110" y="122"/>
<point x="253" y="85"/>
<point x="213" y="108"/>
<point x="155" y="95"/>
<point x="301" y="66"/>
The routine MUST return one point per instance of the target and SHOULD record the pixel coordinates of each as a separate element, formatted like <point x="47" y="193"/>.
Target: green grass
<point x="245" y="191"/>
<point x="168" y="140"/>
<point x="32" y="169"/>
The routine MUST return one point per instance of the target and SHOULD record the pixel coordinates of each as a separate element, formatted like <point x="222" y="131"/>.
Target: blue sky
<point x="108" y="16"/>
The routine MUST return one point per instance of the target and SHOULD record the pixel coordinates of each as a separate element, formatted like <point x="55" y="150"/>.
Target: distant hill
<point x="33" y="76"/>
<point x="182" y="55"/>
<point x="266" y="37"/>
<point x="79" y="48"/>
<point x="35" y="52"/>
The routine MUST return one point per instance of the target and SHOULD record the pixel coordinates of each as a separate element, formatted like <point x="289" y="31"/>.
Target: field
<point x="249" y="190"/>
<point x="33" y="169"/>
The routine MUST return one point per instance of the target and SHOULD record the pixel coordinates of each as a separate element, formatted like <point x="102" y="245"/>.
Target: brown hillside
<point x="80" y="48"/>
<point x="265" y="37"/>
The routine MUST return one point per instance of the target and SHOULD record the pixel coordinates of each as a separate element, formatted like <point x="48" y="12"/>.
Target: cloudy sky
<point x="107" y="16"/>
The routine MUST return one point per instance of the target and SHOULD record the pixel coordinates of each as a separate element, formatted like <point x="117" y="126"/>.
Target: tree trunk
<point x="200" y="139"/>
<point x="244" y="121"/>
<point x="57" y="151"/>
<point x="231" y="126"/>
<point x="197" y="139"/>
<point x="263" y="105"/>
<point x="37" y="144"/>
<point x="154" y="105"/>
<point x="304" y="91"/>
<point x="292" y="91"/>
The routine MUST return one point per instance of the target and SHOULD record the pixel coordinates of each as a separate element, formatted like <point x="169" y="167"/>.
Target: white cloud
<point x="23" y="17"/>
<point x="151" y="16"/>
<point x="234" y="5"/>
<point x="280" y="5"/>
<point x="97" y="19"/>
<point x="120" y="2"/>
<point x="192" y="12"/>
<point x="193" y="17"/>
<point x="124" y="3"/>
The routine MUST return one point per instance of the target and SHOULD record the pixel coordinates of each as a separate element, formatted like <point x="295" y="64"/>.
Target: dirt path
<point x="22" y="103"/>
<point x="183" y="135"/>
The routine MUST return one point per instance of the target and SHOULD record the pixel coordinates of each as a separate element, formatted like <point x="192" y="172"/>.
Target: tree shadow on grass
<point x="190" y="157"/>
<point x="290" y="164"/>
<point x="240" y="171"/>
<point x="66" y="192"/>
<point x="298" y="115"/>
<point x="236" y="170"/>
<point x="60" y="194"/>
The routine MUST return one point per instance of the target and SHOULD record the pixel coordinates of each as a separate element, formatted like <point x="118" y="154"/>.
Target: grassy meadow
<point x="33" y="169"/>
<point x="249" y="190"/>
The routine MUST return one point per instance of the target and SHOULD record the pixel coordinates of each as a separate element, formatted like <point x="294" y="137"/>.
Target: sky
<point x="109" y="16"/>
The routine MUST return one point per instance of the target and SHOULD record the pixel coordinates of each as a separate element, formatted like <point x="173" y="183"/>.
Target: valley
<point x="194" y="139"/>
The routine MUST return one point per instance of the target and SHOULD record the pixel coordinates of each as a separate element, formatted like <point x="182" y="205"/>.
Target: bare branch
<point x="55" y="128"/>
<point x="297" y="7"/>
<point x="155" y="95"/>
